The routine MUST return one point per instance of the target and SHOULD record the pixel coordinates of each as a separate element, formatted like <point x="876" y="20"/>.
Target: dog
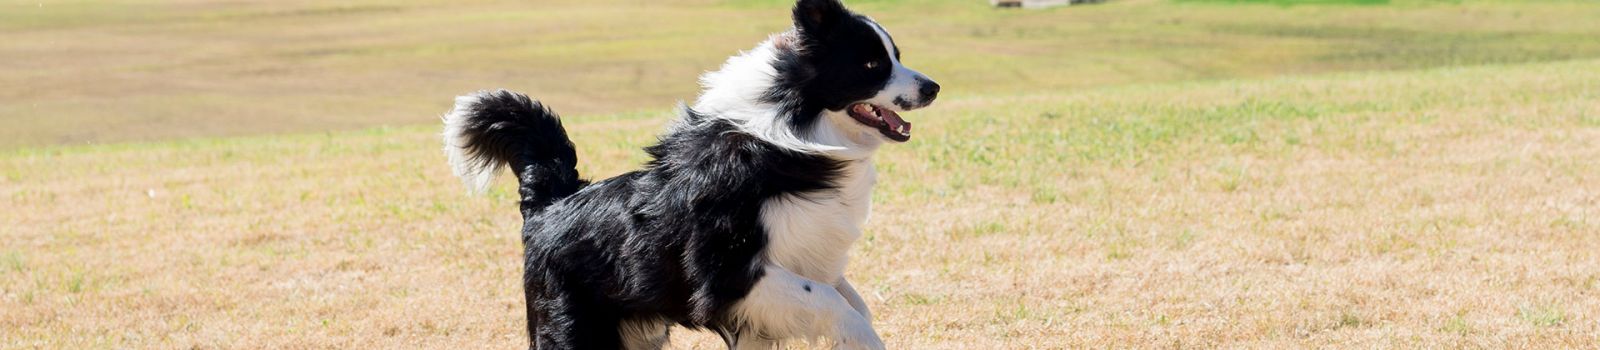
<point x="740" y="222"/>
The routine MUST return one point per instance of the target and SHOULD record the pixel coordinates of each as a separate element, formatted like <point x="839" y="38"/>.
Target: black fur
<point x="678" y="240"/>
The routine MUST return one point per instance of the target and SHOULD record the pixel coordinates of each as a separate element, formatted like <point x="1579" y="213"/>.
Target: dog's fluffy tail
<point x="490" y="129"/>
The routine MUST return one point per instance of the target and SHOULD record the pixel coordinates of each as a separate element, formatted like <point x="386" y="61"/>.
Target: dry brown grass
<point x="1443" y="208"/>
<point x="1045" y="204"/>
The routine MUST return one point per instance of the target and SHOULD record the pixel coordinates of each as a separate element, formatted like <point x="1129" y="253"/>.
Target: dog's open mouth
<point x="888" y="122"/>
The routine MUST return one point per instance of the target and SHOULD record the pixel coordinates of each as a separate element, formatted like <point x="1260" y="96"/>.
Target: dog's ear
<point x="815" y="17"/>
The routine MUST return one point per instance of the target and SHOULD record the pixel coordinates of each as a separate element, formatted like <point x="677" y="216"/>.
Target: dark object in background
<point x="1035" y="4"/>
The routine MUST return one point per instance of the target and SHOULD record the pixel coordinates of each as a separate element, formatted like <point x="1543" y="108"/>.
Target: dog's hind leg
<point x="560" y="318"/>
<point x="578" y="327"/>
<point x="644" y="333"/>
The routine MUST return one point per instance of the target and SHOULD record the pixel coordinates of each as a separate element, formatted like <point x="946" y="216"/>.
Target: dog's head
<point x="835" y="80"/>
<point x="848" y="63"/>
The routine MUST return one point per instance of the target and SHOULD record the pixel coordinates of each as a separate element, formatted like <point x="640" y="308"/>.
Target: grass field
<point x="1141" y="174"/>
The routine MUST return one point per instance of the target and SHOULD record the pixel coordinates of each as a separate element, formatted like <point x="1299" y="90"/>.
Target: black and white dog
<point x="741" y="222"/>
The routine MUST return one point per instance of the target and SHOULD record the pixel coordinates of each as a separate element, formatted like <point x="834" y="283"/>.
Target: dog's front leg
<point x="785" y="305"/>
<point x="850" y="295"/>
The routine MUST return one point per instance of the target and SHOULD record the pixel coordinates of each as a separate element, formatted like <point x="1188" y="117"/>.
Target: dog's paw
<point x="858" y="335"/>
<point x="860" y="343"/>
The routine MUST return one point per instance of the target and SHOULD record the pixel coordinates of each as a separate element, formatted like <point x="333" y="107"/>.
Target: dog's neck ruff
<point x="738" y="92"/>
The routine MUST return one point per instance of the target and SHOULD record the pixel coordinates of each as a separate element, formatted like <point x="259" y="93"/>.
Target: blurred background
<point x="1126" y="173"/>
<point x="103" y="71"/>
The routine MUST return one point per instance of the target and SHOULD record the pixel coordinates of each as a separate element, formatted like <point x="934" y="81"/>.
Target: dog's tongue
<point x="893" y="121"/>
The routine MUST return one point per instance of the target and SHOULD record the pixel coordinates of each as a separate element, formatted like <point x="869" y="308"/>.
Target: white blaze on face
<point x="904" y="83"/>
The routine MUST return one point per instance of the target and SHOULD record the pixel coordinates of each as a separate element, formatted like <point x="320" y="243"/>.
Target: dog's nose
<point x="929" y="90"/>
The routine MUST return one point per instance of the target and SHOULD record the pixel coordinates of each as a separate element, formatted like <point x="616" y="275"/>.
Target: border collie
<point x="739" y="224"/>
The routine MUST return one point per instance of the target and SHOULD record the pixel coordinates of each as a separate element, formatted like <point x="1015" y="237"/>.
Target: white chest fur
<point x="811" y="236"/>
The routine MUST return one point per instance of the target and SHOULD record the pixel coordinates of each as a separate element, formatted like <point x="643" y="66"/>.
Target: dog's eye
<point x="872" y="64"/>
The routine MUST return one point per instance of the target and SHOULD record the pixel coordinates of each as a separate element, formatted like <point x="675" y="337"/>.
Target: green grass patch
<point x="1457" y="325"/>
<point x="1349" y="319"/>
<point x="12" y="261"/>
<point x="1546" y="315"/>
<point x="1290" y="2"/>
